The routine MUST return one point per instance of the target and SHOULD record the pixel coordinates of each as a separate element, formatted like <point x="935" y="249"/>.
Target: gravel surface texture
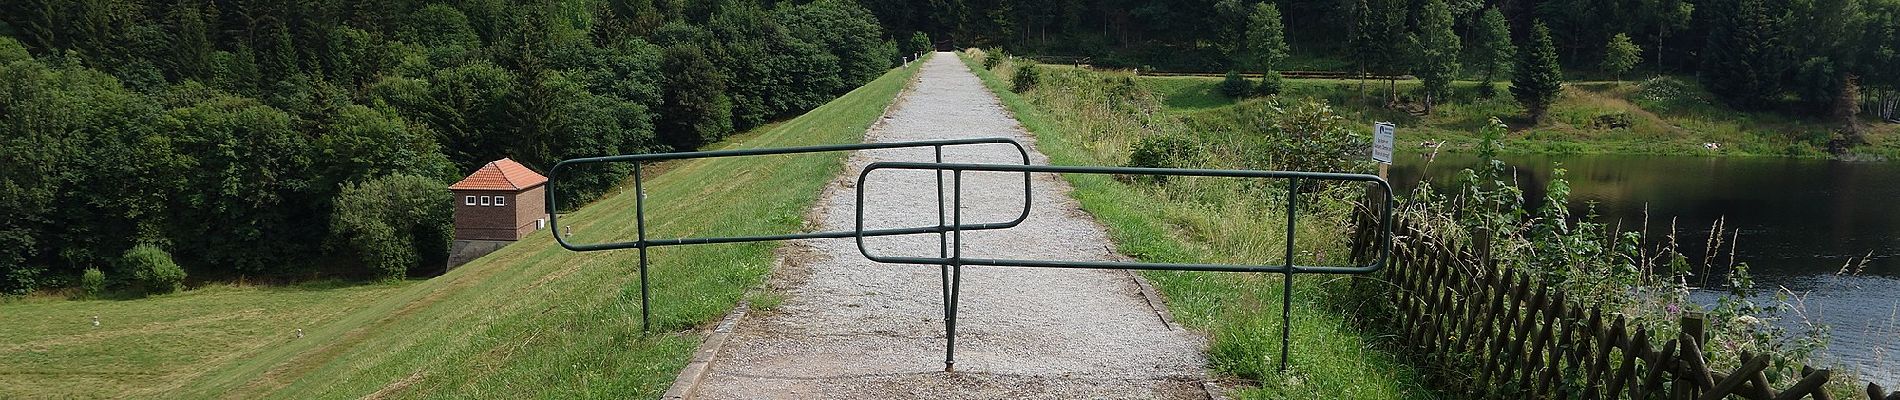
<point x="852" y="328"/>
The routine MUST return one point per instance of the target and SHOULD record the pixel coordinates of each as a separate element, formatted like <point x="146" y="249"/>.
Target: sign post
<point x="1382" y="145"/>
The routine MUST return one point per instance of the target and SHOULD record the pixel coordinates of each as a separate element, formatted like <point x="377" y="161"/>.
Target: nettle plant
<point x="1647" y="280"/>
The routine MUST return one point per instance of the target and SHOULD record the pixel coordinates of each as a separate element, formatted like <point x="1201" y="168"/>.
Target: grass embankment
<point x="1662" y="116"/>
<point x="1205" y="221"/>
<point x="531" y="320"/>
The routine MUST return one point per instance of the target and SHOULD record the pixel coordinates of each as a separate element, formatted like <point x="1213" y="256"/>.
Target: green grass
<point x="1199" y="221"/>
<point x="1665" y="116"/>
<point x="531" y="320"/>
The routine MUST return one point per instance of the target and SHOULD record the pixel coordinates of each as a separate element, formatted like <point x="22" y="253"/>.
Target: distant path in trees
<point x="851" y="328"/>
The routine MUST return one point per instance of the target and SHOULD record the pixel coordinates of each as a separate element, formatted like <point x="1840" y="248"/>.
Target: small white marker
<point x="95" y="321"/>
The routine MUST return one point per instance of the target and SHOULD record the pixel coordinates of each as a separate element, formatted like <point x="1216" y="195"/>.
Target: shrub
<point x="1311" y="136"/>
<point x="1166" y="151"/>
<point x="992" y="58"/>
<point x="1235" y="86"/>
<point x="1026" y="77"/>
<point x="1269" y="84"/>
<point x="152" y="269"/>
<point x="392" y="223"/>
<point x="919" y="43"/>
<point x="92" y="283"/>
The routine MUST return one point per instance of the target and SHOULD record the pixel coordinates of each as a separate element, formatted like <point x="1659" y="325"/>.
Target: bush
<point x="392" y="223"/>
<point x="1313" y="137"/>
<point x="92" y="283"/>
<point x="1026" y="77"/>
<point x="1269" y="84"/>
<point x="918" y="43"/>
<point x="1235" y="86"/>
<point x="152" y="269"/>
<point x="1166" y="151"/>
<point x="992" y="58"/>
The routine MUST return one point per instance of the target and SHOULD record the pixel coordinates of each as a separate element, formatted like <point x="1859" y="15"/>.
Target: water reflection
<point x="1800" y="221"/>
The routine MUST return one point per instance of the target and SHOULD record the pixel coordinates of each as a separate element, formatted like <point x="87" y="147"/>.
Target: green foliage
<point x="1166" y="151"/>
<point x="1309" y="136"/>
<point x="393" y="224"/>
<point x="1438" y="52"/>
<point x="1620" y="55"/>
<point x="1746" y="54"/>
<point x="1235" y="86"/>
<point x="1027" y="74"/>
<point x="92" y="283"/>
<point x="849" y="32"/>
<point x="1270" y="84"/>
<point x="1817" y="84"/>
<point x="152" y="269"/>
<point x="225" y="130"/>
<point x="1492" y="49"/>
<point x="1266" y="38"/>
<point x="11" y="50"/>
<point x="993" y="58"/>
<point x="918" y="42"/>
<point x="695" y="109"/>
<point x="439" y="26"/>
<point x="1538" y="79"/>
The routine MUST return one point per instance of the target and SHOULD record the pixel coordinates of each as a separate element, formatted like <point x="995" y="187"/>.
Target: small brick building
<point x="503" y="200"/>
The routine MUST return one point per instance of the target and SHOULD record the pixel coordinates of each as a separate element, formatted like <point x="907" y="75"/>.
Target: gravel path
<point x="851" y="328"/>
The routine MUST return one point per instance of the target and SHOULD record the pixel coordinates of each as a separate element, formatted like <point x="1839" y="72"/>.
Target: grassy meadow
<point x="1660" y="116"/>
<point x="531" y="320"/>
<point x="1210" y="220"/>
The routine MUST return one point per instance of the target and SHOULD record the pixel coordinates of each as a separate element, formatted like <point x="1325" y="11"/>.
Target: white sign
<point x="1382" y="142"/>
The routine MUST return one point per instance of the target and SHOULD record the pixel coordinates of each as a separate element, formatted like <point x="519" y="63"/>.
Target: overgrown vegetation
<point x="1658" y="116"/>
<point x="1104" y="117"/>
<point x="1081" y="117"/>
<point x="226" y="132"/>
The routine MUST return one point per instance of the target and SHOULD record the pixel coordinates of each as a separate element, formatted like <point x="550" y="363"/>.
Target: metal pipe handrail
<point x="953" y="260"/>
<point x="642" y="242"/>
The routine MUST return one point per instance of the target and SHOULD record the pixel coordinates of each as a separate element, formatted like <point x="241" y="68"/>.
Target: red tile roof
<point x="503" y="174"/>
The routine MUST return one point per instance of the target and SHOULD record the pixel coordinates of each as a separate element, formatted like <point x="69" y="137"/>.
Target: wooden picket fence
<point x="1504" y="334"/>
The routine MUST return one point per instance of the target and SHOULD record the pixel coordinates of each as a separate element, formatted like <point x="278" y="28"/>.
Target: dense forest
<point x="281" y="139"/>
<point x="1788" y="55"/>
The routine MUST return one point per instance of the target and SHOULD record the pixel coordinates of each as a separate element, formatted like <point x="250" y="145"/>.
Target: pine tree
<point x="1620" y="55"/>
<point x="1745" y="56"/>
<point x="1494" y="51"/>
<point x="190" y="41"/>
<point x="1266" y="37"/>
<point x="1539" y="80"/>
<point x="1438" y="52"/>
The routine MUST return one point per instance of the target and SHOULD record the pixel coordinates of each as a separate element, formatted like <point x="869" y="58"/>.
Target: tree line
<point x="279" y="138"/>
<point x="1798" y="56"/>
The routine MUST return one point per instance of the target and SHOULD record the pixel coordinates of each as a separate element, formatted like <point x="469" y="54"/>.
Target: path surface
<point x="851" y="328"/>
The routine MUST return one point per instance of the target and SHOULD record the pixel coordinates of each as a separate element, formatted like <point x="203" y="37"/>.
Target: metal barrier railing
<point x="952" y="259"/>
<point x="643" y="243"/>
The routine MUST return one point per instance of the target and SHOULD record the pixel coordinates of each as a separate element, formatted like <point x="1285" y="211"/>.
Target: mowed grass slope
<point x="532" y="320"/>
<point x="1200" y="221"/>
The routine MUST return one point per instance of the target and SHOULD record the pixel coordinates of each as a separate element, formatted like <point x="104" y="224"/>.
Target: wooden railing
<point x="1512" y="336"/>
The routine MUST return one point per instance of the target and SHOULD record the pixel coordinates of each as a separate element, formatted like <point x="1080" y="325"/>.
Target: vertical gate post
<point x="1286" y="289"/>
<point x="640" y="220"/>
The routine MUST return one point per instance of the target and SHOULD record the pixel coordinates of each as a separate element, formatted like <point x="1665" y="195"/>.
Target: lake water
<point x="1800" y="222"/>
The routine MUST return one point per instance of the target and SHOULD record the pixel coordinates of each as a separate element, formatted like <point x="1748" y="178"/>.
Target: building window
<point x="501" y="201"/>
<point x="486" y="201"/>
<point x="468" y="200"/>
